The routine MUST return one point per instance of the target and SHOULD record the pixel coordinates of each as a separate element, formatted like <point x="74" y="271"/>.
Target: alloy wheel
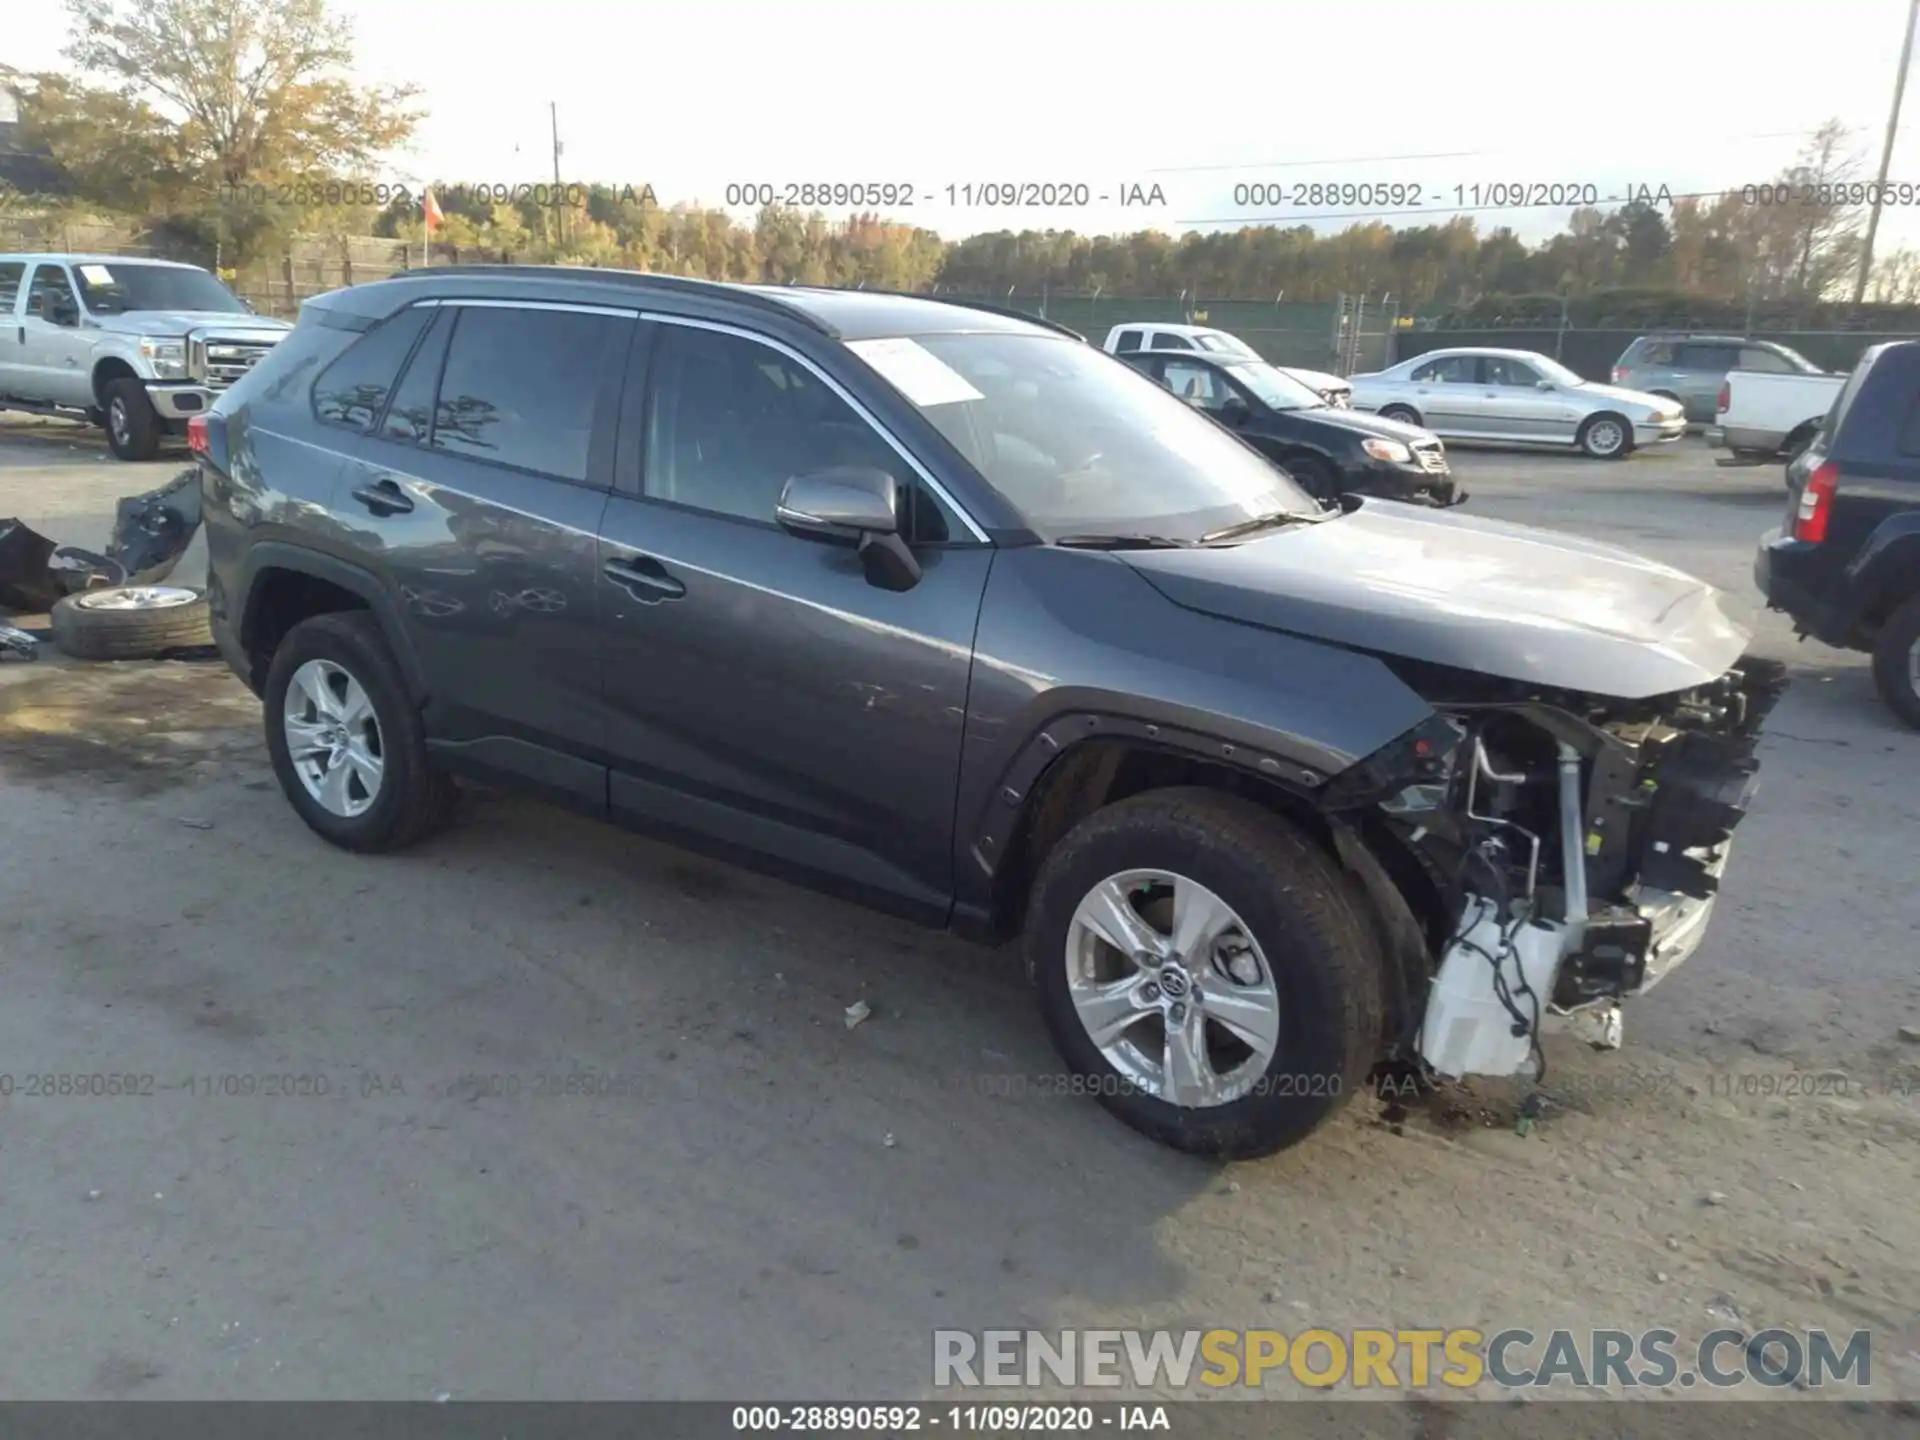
<point x="333" y="738"/>
<point x="1605" y="437"/>
<point x="117" y="418"/>
<point x="1172" y="988"/>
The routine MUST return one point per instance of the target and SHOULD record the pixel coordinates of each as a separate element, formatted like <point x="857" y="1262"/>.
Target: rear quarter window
<point x="353" y="390"/>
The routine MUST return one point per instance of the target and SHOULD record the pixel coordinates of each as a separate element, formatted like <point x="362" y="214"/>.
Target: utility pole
<point x="1886" y="157"/>
<point x="559" y="216"/>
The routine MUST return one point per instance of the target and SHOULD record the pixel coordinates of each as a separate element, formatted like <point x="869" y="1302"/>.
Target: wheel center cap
<point x="1174" y="982"/>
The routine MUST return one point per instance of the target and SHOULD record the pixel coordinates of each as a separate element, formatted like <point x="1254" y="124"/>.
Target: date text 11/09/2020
<point x="328" y="194"/>
<point x="1465" y="195"/>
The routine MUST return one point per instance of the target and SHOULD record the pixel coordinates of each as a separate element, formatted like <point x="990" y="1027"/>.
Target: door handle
<point x="644" y="578"/>
<point x="383" y="497"/>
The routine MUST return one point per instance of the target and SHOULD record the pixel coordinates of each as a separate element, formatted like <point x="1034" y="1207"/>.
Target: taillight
<point x="197" y="435"/>
<point x="1816" y="503"/>
<point x="1621" y="374"/>
<point x="1725" y="402"/>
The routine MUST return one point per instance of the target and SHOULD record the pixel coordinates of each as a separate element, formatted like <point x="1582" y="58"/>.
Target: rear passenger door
<point x="764" y="697"/>
<point x="478" y="489"/>
<point x="1448" y="395"/>
<point x="13" y="330"/>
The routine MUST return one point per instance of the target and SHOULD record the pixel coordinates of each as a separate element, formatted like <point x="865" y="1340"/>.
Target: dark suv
<point x="1846" y="564"/>
<point x="951" y="613"/>
<point x="1329" y="450"/>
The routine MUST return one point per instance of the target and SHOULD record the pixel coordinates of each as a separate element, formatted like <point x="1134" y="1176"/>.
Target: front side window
<point x="733" y="420"/>
<point x="117" y="287"/>
<point x="353" y="390"/>
<point x="50" y="296"/>
<point x="1276" y="389"/>
<point x="1754" y="357"/>
<point x="1196" y="384"/>
<point x="521" y="386"/>
<point x="1079" y="444"/>
<point x="1165" y="340"/>
<point x="1512" y="374"/>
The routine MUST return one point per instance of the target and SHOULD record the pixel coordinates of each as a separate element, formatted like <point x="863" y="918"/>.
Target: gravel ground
<point x="785" y="1207"/>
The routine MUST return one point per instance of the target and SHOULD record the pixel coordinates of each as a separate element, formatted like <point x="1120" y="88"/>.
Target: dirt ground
<point x="779" y="1205"/>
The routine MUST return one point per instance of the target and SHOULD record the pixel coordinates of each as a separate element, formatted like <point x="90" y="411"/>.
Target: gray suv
<point x="1692" y="368"/>
<point x="948" y="612"/>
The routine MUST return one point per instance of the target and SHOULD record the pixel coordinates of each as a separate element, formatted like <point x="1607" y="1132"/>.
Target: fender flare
<point x="265" y="555"/>
<point x="1886" y="566"/>
<point x="993" y="830"/>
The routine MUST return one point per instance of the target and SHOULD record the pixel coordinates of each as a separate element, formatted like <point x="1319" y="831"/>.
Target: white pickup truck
<point x="1765" y="416"/>
<point x="136" y="346"/>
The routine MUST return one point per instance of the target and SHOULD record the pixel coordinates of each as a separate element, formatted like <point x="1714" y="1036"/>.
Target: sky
<point x="1109" y="102"/>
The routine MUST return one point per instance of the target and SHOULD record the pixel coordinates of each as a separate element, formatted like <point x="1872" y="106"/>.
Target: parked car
<point x="1769" y="415"/>
<point x="1517" y="397"/>
<point x="1156" y="335"/>
<point x="1846" y="562"/>
<point x="1692" y="368"/>
<point x="136" y="346"/>
<point x="952" y="615"/>
<point x="1330" y="452"/>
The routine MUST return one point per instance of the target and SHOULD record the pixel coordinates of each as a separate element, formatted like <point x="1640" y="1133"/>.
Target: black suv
<point x="1846" y="564"/>
<point x="1330" y="451"/>
<point x="951" y="613"/>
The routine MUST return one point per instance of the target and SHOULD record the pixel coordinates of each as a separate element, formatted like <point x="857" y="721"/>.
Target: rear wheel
<point x="347" y="741"/>
<point x="1896" y="662"/>
<point x="1606" y="437"/>
<point x="1405" y="414"/>
<point x="1204" y="972"/>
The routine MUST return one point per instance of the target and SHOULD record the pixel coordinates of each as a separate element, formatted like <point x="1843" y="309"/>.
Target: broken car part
<point x="152" y="531"/>
<point x="27" y="585"/>
<point x="15" y="641"/>
<point x="130" y="622"/>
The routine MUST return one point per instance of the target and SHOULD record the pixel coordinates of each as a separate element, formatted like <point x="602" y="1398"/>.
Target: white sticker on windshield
<point x="96" y="274"/>
<point x="916" y="371"/>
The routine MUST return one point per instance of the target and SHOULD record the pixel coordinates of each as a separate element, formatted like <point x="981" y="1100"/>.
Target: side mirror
<point x="1545" y="385"/>
<point x="852" y="506"/>
<point x="1236" y="412"/>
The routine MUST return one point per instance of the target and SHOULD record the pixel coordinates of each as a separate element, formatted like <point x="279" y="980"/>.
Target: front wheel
<point x="1896" y="662"/>
<point x="133" y="428"/>
<point x="1205" y="973"/>
<point x="1606" y="437"/>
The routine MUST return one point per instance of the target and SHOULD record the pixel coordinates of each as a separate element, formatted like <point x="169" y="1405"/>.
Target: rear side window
<point x="12" y="272"/>
<point x="1910" y="432"/>
<point x="521" y="386"/>
<point x="1449" y="370"/>
<point x="410" y="416"/>
<point x="353" y="390"/>
<point x="1129" y="340"/>
<point x="1651" y="352"/>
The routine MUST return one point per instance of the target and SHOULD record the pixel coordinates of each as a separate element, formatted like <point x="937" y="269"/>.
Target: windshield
<point x="115" y="289"/>
<point x="1276" y="388"/>
<point x="1224" y="345"/>
<point x="1081" y="443"/>
<point x="1553" y="370"/>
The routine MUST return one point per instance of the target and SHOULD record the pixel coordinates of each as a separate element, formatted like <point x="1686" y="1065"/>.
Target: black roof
<point x="845" y="314"/>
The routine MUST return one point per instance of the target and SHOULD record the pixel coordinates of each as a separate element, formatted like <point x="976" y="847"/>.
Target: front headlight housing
<point x="1391" y="451"/>
<point x="167" y="357"/>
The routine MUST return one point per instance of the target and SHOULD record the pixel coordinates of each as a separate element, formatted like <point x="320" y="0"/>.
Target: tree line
<point x="226" y="128"/>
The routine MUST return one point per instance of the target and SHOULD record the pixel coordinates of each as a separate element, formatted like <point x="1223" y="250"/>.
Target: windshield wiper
<point x="1261" y="522"/>
<point x="1121" y="542"/>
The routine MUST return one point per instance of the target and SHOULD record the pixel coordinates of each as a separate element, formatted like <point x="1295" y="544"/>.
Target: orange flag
<point x="430" y="211"/>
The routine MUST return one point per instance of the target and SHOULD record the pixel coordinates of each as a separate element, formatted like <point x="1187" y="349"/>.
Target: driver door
<point x="1518" y="409"/>
<point x="765" y="700"/>
<point x="55" y="346"/>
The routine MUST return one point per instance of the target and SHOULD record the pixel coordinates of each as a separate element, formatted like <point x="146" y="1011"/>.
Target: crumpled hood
<point x="1482" y="595"/>
<point x="167" y="324"/>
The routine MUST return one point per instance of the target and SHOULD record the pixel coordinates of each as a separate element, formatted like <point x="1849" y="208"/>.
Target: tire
<point x="1320" y="961"/>
<point x="130" y="622"/>
<point x="1605" y="436"/>
<point x="133" y="429"/>
<point x="1896" y="662"/>
<point x="1405" y="414"/>
<point x="410" y="799"/>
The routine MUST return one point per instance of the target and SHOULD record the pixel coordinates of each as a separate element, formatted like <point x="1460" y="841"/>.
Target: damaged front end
<point x="1569" y="849"/>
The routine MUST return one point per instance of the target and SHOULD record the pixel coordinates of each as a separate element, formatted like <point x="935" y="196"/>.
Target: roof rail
<point x="753" y="297"/>
<point x="1006" y="310"/>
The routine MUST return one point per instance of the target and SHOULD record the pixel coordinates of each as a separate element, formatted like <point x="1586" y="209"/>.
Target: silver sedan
<point x="1517" y="397"/>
